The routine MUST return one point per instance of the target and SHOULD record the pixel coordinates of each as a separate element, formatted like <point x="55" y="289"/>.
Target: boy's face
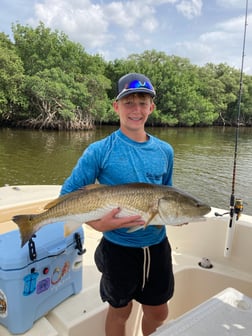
<point x="133" y="110"/>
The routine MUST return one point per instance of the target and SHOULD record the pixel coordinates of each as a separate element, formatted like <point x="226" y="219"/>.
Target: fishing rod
<point x="236" y="205"/>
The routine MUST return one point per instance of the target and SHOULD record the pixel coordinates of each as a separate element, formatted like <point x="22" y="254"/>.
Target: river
<point x="203" y="159"/>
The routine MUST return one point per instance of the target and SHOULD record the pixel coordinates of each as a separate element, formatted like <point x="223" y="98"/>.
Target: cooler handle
<point x="59" y="249"/>
<point x="78" y="245"/>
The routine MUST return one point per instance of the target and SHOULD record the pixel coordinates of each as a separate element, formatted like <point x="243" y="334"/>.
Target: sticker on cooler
<point x="30" y="283"/>
<point x="59" y="273"/>
<point x="3" y="305"/>
<point x="43" y="285"/>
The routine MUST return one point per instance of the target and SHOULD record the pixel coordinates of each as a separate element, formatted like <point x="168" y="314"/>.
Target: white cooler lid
<point x="227" y="313"/>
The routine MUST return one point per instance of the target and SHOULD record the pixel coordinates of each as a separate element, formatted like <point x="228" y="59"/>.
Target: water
<point x="203" y="159"/>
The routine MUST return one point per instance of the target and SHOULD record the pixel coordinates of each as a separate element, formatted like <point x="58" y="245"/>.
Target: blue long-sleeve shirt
<point x="118" y="159"/>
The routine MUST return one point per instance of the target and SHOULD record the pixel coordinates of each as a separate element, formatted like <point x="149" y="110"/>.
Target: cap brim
<point x="127" y="92"/>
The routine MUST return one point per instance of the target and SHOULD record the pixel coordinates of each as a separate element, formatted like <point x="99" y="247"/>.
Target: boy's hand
<point x="111" y="221"/>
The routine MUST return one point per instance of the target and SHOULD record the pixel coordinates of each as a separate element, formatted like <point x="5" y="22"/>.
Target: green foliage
<point x="246" y="102"/>
<point x="48" y="81"/>
<point x="64" y="85"/>
<point x="11" y="80"/>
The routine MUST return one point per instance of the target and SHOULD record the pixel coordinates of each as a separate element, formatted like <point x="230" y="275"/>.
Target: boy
<point x="134" y="265"/>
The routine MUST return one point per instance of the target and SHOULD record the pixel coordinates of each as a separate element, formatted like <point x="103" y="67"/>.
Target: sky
<point x="204" y="31"/>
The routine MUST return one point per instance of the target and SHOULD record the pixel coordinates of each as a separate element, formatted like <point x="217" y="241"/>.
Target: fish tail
<point x="26" y="227"/>
<point x="135" y="228"/>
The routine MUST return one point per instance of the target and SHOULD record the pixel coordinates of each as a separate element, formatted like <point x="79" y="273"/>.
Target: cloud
<point x="229" y="32"/>
<point x="234" y="24"/>
<point x="116" y="29"/>
<point x="83" y="21"/>
<point x="219" y="45"/>
<point x="128" y="14"/>
<point x="231" y="3"/>
<point x="190" y="8"/>
<point x="200" y="52"/>
<point x="132" y="15"/>
<point x="97" y="25"/>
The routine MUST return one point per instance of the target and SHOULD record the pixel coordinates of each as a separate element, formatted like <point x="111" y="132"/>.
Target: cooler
<point x="36" y="278"/>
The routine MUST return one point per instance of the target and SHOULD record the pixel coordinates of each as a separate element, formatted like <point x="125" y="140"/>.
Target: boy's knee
<point x="156" y="313"/>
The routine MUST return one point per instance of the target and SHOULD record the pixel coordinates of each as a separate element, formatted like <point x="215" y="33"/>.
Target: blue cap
<point x="134" y="83"/>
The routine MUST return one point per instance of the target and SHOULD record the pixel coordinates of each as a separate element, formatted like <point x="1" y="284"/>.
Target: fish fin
<point x="62" y="198"/>
<point x="25" y="226"/>
<point x="71" y="227"/>
<point x="54" y="202"/>
<point x="156" y="220"/>
<point x="93" y="186"/>
<point x="135" y="228"/>
<point x="153" y="214"/>
<point x="65" y="197"/>
<point x="138" y="227"/>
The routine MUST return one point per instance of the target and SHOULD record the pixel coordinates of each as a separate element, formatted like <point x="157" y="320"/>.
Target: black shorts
<point x="143" y="274"/>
